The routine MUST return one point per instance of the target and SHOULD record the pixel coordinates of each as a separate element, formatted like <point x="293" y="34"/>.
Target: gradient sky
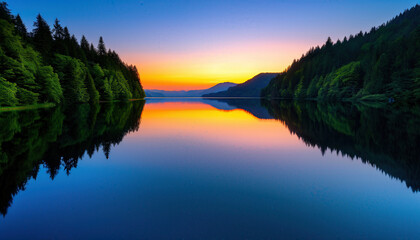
<point x="185" y="44"/>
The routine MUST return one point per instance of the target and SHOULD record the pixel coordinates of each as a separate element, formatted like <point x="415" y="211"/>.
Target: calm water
<point x="210" y="169"/>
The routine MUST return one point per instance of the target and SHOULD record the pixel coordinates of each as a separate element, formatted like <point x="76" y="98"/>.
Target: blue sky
<point x="210" y="41"/>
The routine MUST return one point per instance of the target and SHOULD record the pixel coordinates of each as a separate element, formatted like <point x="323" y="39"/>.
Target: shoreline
<point x="51" y="105"/>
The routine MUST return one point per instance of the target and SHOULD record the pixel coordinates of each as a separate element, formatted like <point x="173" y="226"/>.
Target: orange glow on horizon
<point x="203" y="68"/>
<point x="228" y="127"/>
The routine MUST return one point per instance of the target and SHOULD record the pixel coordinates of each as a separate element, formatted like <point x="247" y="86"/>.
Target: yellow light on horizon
<point x="228" y="127"/>
<point x="199" y="70"/>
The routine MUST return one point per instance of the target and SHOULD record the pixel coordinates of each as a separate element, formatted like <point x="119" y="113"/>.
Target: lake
<point x="210" y="169"/>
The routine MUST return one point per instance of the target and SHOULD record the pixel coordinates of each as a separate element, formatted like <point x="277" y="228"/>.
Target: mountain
<point x="250" y="88"/>
<point x="192" y="93"/>
<point x="381" y="65"/>
<point x="153" y="93"/>
<point x="219" y="87"/>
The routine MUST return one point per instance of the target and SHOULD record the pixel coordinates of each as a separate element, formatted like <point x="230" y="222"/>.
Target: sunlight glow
<point x="236" y="62"/>
<point x="233" y="127"/>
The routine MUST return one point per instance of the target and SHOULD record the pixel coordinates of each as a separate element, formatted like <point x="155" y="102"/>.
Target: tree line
<point x="380" y="65"/>
<point x="50" y="65"/>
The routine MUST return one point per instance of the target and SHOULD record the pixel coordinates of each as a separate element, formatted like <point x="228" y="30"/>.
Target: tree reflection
<point x="58" y="137"/>
<point x="388" y="139"/>
<point x="384" y="137"/>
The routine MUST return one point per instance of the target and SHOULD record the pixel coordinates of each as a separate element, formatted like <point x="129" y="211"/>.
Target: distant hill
<point x="219" y="87"/>
<point x="380" y="65"/>
<point x="192" y="93"/>
<point x="153" y="93"/>
<point x="250" y="88"/>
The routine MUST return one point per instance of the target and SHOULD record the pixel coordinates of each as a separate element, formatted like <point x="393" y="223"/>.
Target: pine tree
<point x="20" y="27"/>
<point x="60" y="45"/>
<point x="66" y="34"/>
<point x="58" y="31"/>
<point x="84" y="44"/>
<point x="42" y="36"/>
<point x="329" y="43"/>
<point x="101" y="47"/>
<point x="5" y="12"/>
<point x="93" y="49"/>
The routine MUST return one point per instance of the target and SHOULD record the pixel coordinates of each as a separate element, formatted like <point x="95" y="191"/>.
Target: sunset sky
<point x="195" y="44"/>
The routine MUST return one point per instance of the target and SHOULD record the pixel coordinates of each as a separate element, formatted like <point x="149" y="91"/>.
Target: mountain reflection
<point x="58" y="137"/>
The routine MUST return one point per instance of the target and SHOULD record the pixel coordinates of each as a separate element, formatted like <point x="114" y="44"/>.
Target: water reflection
<point x="58" y="137"/>
<point x="196" y="166"/>
<point x="386" y="138"/>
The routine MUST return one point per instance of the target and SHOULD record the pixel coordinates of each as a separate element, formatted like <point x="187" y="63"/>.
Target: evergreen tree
<point x="91" y="88"/>
<point x="60" y="45"/>
<point x="101" y="47"/>
<point x="329" y="42"/>
<point x="84" y="44"/>
<point x="93" y="49"/>
<point x="20" y="27"/>
<point x="8" y="92"/>
<point x="66" y="34"/>
<point x="5" y="12"/>
<point x="51" y="88"/>
<point x="58" y="31"/>
<point x="42" y="36"/>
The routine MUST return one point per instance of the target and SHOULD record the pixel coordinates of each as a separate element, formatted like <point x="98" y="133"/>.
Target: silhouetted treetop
<point x="101" y="47"/>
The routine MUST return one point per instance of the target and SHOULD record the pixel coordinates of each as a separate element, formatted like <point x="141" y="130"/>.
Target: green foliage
<point x="119" y="86"/>
<point x="384" y="62"/>
<point x="26" y="97"/>
<point x="7" y="93"/>
<point x="300" y="91"/>
<point x="312" y="91"/>
<point x="51" y="88"/>
<point x="102" y="83"/>
<point x="341" y="83"/>
<point x="72" y="73"/>
<point x="59" y="70"/>
<point x="93" y="93"/>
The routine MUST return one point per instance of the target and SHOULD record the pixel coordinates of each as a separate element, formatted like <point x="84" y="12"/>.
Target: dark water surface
<point x="210" y="169"/>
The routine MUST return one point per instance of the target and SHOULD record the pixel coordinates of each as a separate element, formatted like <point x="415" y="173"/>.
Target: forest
<point x="49" y="65"/>
<point x="380" y="65"/>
